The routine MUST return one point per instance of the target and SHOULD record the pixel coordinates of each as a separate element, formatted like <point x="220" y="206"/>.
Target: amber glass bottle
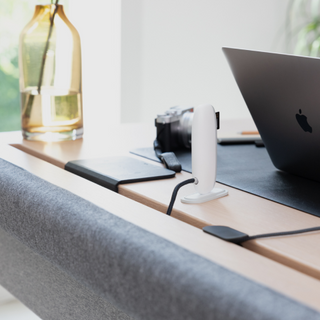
<point x="50" y="77"/>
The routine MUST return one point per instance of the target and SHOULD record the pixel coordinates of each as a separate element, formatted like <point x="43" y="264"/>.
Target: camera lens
<point x="185" y="129"/>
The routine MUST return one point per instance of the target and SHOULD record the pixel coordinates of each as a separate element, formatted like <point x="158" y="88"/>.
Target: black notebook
<point x="112" y="171"/>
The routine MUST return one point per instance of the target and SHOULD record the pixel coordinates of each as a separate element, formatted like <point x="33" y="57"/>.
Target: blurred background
<point x="142" y="57"/>
<point x="14" y="15"/>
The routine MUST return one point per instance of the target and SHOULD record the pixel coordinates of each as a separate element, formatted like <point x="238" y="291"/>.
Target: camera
<point x="174" y="128"/>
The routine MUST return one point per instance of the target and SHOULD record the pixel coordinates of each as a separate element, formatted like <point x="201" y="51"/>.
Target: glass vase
<point x="50" y="77"/>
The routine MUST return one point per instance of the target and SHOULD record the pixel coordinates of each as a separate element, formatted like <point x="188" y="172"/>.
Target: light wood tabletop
<point x="274" y="275"/>
<point x="240" y="210"/>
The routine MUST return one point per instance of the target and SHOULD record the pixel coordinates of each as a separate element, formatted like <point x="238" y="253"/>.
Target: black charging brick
<point x="226" y="233"/>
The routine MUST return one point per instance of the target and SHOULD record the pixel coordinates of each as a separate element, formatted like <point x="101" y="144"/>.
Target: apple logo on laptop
<point x="302" y="120"/>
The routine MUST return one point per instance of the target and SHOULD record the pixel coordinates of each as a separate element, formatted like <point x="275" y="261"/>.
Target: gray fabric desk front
<point x="66" y="258"/>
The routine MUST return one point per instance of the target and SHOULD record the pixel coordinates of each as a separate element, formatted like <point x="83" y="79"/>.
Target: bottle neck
<point x="44" y="12"/>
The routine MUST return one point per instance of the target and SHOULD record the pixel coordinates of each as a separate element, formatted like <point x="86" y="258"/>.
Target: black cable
<point x="238" y="237"/>
<point x="284" y="233"/>
<point x="229" y="234"/>
<point x="175" y="192"/>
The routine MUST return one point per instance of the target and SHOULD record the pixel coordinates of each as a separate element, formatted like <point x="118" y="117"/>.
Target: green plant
<point x="14" y="15"/>
<point x="303" y="27"/>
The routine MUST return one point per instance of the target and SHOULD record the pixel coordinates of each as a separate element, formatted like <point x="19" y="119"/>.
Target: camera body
<point x="174" y="128"/>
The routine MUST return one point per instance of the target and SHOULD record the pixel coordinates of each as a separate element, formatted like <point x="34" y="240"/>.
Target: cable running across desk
<point x="283" y="233"/>
<point x="237" y="238"/>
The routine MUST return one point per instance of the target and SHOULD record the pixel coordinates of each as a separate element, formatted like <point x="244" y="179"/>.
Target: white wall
<point x="171" y="52"/>
<point x="99" y="25"/>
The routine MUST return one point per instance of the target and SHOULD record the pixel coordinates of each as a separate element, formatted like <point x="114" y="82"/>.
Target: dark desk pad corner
<point x="248" y="168"/>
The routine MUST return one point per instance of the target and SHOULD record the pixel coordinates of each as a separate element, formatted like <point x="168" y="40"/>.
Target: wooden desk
<point x="239" y="210"/>
<point x="249" y="264"/>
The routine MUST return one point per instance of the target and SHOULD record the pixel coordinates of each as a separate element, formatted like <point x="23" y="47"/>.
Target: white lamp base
<point x="215" y="193"/>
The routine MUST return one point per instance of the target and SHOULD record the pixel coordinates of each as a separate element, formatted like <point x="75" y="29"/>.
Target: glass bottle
<point x="50" y="77"/>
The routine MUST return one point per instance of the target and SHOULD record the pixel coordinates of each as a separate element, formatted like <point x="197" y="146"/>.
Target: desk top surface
<point x="240" y="210"/>
<point x="247" y="263"/>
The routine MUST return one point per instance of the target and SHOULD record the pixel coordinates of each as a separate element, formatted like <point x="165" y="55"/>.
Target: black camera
<point x="174" y="128"/>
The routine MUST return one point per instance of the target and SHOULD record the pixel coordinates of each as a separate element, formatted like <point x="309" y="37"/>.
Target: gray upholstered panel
<point x="138" y="272"/>
<point x="47" y="290"/>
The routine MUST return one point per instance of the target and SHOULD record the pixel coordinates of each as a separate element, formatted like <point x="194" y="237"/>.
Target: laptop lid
<point x="282" y="93"/>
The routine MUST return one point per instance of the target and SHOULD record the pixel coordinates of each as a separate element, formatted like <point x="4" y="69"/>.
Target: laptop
<point x="282" y="93"/>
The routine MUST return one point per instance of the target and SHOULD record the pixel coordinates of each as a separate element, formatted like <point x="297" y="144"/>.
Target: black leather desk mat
<point x="248" y="168"/>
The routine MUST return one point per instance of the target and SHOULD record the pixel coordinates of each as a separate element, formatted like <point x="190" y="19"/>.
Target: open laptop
<point x="282" y="93"/>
